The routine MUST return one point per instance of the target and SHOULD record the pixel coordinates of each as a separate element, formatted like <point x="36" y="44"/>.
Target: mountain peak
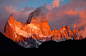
<point x="10" y="19"/>
<point x="36" y="18"/>
<point x="33" y="15"/>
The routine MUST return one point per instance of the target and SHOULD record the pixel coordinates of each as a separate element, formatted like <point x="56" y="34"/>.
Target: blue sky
<point x="20" y="4"/>
<point x="36" y="4"/>
<point x="29" y="3"/>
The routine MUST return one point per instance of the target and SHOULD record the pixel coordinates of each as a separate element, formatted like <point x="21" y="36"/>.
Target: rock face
<point x="66" y="33"/>
<point x="37" y="19"/>
<point x="34" y="14"/>
<point x="10" y="29"/>
<point x="63" y="33"/>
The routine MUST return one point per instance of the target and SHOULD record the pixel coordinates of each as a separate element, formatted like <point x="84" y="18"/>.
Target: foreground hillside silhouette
<point x="68" y="46"/>
<point x="8" y="45"/>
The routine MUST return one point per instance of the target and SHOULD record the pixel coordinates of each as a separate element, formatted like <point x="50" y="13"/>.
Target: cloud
<point x="73" y="14"/>
<point x="26" y="9"/>
<point x="54" y="4"/>
<point x="80" y="34"/>
<point x="21" y="15"/>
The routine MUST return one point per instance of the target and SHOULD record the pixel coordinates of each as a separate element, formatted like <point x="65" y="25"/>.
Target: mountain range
<point x="37" y="31"/>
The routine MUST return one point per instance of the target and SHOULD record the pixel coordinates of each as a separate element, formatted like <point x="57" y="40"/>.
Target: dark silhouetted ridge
<point x="7" y="45"/>
<point x="67" y="46"/>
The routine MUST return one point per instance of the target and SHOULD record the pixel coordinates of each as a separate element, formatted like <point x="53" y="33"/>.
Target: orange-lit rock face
<point x="16" y="30"/>
<point x="62" y="33"/>
<point x="42" y="25"/>
<point x="45" y="28"/>
<point x="10" y="31"/>
<point x="36" y="19"/>
<point x="32" y="28"/>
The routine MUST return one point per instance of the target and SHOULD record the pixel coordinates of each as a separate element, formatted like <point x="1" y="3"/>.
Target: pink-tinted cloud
<point x="73" y="14"/>
<point x="9" y="8"/>
<point x="26" y="9"/>
<point x="21" y="15"/>
<point x="81" y="34"/>
<point x="53" y="4"/>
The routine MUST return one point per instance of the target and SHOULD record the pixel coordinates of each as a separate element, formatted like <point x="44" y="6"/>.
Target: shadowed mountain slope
<point x="7" y="45"/>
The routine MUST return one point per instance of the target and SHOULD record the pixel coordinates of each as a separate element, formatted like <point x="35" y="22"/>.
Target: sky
<point x="60" y="12"/>
<point x="20" y="4"/>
